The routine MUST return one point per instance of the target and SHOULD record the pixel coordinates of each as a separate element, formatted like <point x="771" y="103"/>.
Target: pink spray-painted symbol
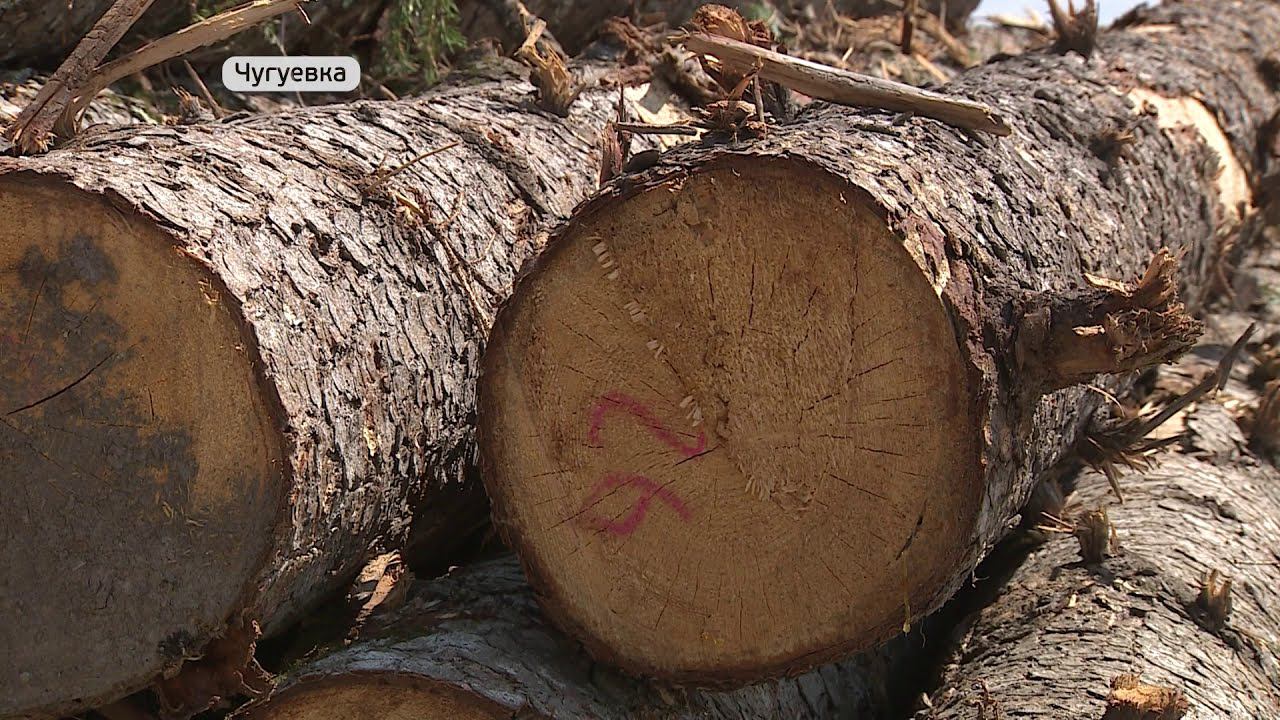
<point x="641" y="412"/>
<point x="649" y="491"/>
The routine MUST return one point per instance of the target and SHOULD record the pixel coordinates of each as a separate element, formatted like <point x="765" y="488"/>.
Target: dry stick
<point x="218" y="112"/>
<point x="908" y="24"/>
<point x="646" y="129"/>
<point x="30" y="132"/>
<point x="206" y="32"/>
<point x="1032" y="23"/>
<point x="1214" y="381"/>
<point x="415" y="160"/>
<point x="847" y="88"/>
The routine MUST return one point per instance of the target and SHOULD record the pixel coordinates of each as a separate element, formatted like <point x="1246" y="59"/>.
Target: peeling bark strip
<point x="1062" y="635"/>
<point x="234" y="357"/>
<point x="475" y="645"/>
<point x="842" y="313"/>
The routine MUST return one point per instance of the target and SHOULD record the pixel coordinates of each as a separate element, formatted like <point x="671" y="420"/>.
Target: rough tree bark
<point x="236" y="357"/>
<point x="1062" y="629"/>
<point x="813" y="378"/>
<point x="474" y="645"/>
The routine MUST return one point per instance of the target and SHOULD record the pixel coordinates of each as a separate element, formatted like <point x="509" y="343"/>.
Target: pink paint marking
<point x="627" y="525"/>
<point x="641" y="412"/>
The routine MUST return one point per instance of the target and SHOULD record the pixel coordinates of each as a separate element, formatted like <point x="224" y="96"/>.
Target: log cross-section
<point x="238" y="359"/>
<point x="764" y="404"/>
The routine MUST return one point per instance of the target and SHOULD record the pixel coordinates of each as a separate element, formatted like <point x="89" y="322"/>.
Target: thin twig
<point x="422" y="156"/>
<point x="931" y="24"/>
<point x="908" y="24"/>
<point x="646" y="129"/>
<point x="847" y="88"/>
<point x="379" y="177"/>
<point x="1125" y="443"/>
<point x="218" y="112"/>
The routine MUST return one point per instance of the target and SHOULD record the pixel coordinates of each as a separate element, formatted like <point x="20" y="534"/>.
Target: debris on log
<point x="699" y="410"/>
<point x="574" y="23"/>
<point x="237" y="361"/>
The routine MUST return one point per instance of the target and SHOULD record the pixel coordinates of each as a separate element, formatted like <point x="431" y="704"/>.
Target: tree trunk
<point x="727" y="444"/>
<point x="239" y="355"/>
<point x="1062" y="629"/>
<point x="474" y="645"/>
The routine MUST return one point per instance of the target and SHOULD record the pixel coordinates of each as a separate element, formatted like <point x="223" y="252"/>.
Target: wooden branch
<point x="206" y="32"/>
<point x="908" y="24"/>
<point x="647" y="129"/>
<point x="30" y="132"/>
<point x="218" y="112"/>
<point x="847" y="88"/>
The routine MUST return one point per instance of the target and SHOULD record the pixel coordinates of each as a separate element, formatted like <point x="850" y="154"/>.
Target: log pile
<point x="747" y="381"/>
<point x="247" y="351"/>
<point x="1176" y="586"/>
<point x="474" y="644"/>
<point x="841" y="355"/>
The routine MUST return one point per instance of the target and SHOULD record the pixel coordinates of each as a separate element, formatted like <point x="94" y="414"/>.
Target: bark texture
<point x="1062" y="630"/>
<point x="361" y="299"/>
<point x="479" y="632"/>
<point x="1146" y="145"/>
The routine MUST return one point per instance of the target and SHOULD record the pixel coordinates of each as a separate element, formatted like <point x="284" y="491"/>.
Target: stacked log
<point x="474" y="645"/>
<point x="1180" y="600"/>
<point x="753" y="408"/>
<point x="767" y="403"/>
<point x="239" y="361"/>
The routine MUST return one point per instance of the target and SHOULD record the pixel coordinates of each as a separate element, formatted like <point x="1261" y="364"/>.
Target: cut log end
<point x="146" y="470"/>
<point x="719" y="370"/>
<point x="385" y="696"/>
